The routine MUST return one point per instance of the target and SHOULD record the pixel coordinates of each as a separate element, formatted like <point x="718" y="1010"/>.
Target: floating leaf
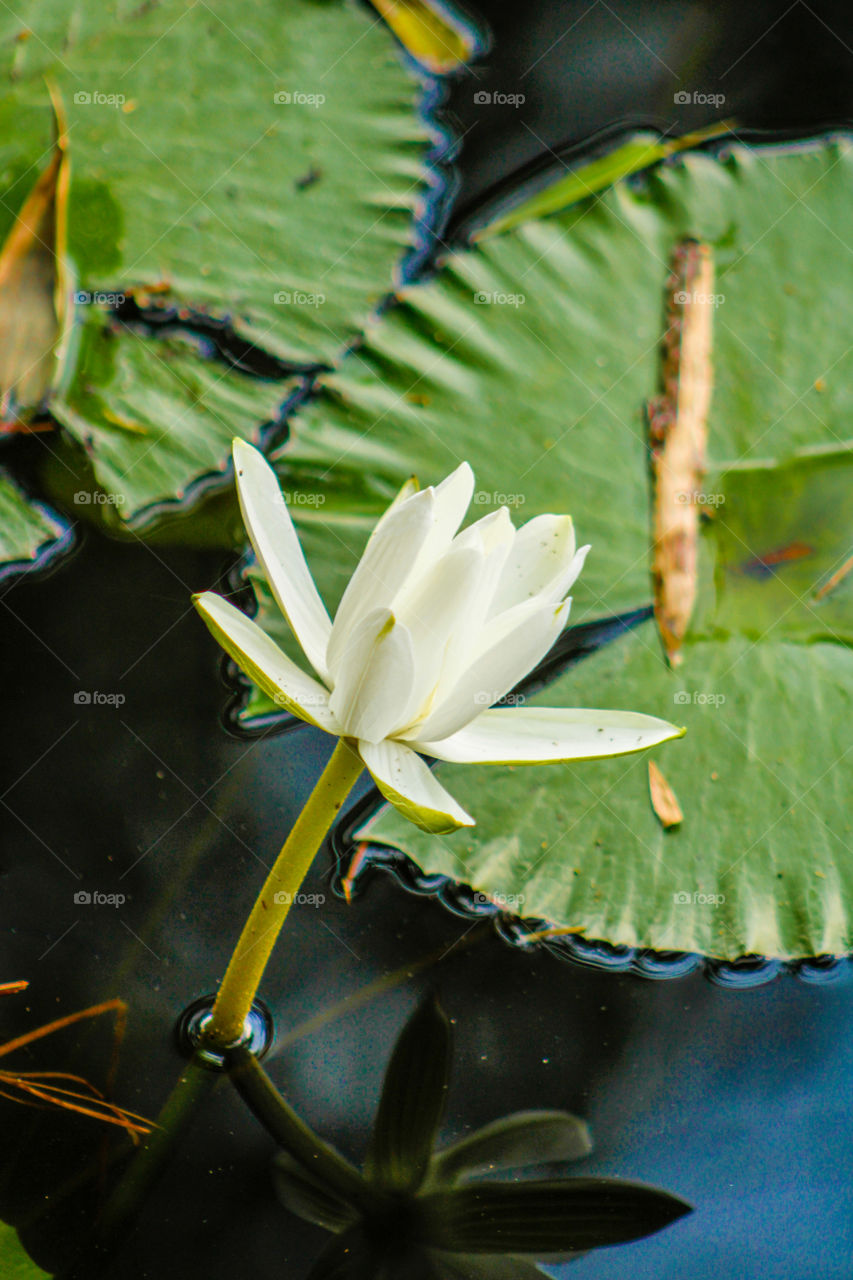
<point x="761" y="866"/>
<point x="15" y="1262"/>
<point x="152" y="418"/>
<point x="288" y="216"/>
<point x="26" y="527"/>
<point x="533" y="357"/>
<point x="220" y="220"/>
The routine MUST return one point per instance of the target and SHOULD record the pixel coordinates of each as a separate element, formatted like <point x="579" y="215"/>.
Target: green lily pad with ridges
<point x="259" y="165"/>
<point x="532" y="357"/>
<point x="25" y="527"/>
<point x="760" y="863"/>
<point x="153" y="417"/>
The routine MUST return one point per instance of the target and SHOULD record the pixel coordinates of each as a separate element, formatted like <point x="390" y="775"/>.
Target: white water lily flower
<point x="434" y="627"/>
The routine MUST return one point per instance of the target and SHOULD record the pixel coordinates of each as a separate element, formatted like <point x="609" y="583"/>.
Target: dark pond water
<point x="737" y="1099"/>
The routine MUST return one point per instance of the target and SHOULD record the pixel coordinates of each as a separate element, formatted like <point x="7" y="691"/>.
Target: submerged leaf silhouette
<point x="539" y="1218"/>
<point x="406" y="1217"/>
<point x="513" y="1142"/>
<point x="412" y="1101"/>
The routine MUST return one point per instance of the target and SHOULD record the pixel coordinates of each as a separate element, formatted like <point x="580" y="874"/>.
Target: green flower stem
<point x="254" y="948"/>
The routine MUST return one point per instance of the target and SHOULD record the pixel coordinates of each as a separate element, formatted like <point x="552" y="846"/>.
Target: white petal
<point x="407" y="490"/>
<point x="495" y="529"/>
<point x="519" y="639"/>
<point x="263" y="662"/>
<point x="572" y="572"/>
<point x="384" y="567"/>
<point x="374" y="678"/>
<point x="410" y="537"/>
<point x="407" y="783"/>
<point x="435" y="612"/>
<point x="533" y="735"/>
<point x="495" y="534"/>
<point x="279" y="553"/>
<point x="452" y="499"/>
<point x="542" y="563"/>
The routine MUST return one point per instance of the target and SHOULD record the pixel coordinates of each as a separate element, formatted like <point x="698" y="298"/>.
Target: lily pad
<point x="263" y="168"/>
<point x="153" y="416"/>
<point x="15" y="1263"/>
<point x="759" y="864"/>
<point x="26" y="528"/>
<point x="533" y="357"/>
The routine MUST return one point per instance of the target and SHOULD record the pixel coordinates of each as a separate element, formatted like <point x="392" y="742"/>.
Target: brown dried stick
<point x="678" y="434"/>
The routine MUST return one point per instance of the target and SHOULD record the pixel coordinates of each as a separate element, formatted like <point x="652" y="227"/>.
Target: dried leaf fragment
<point x="33" y="292"/>
<point x="764" y="565"/>
<point x="678" y="435"/>
<point x="664" y="800"/>
<point x="833" y="582"/>
<point x="428" y="31"/>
